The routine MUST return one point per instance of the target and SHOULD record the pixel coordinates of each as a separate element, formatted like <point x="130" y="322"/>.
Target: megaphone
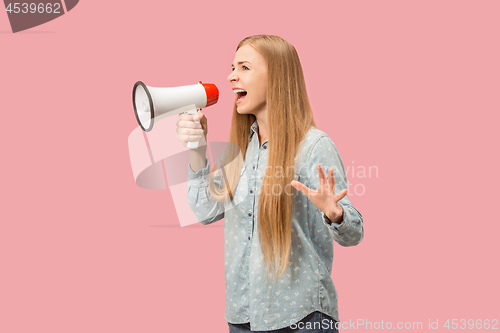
<point x="152" y="103"/>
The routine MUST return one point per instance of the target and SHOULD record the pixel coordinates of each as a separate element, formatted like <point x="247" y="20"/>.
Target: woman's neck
<point x="262" y="122"/>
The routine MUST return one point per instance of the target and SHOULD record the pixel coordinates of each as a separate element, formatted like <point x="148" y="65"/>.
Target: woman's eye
<point x="246" y="68"/>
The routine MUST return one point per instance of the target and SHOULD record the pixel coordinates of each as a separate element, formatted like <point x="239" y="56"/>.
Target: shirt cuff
<point x="340" y="228"/>
<point x="201" y="175"/>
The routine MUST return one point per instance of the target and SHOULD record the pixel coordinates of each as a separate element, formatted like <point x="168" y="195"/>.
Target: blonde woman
<point x="282" y="193"/>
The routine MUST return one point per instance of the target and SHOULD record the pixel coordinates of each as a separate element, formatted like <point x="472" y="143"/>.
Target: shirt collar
<point x="253" y="128"/>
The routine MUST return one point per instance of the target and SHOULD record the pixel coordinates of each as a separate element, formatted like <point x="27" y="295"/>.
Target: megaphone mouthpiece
<point x="212" y="93"/>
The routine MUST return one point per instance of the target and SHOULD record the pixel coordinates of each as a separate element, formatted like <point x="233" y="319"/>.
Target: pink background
<point x="411" y="87"/>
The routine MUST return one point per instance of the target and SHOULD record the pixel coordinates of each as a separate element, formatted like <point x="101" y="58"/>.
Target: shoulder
<point x="315" y="140"/>
<point x="317" y="147"/>
<point x="314" y="133"/>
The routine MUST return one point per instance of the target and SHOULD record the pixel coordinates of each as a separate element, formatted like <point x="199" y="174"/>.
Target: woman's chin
<point x="240" y="110"/>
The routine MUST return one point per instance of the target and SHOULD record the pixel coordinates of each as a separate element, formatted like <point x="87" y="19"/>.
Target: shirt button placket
<point x="251" y="200"/>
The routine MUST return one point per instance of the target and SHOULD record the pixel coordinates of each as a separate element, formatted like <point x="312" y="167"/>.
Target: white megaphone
<point x="157" y="103"/>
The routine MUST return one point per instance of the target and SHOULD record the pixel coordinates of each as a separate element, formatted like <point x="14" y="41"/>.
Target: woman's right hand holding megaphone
<point x="190" y="130"/>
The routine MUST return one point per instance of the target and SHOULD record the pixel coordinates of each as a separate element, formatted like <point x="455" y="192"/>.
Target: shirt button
<point x="251" y="191"/>
<point x="254" y="167"/>
<point x="249" y="214"/>
<point x="248" y="238"/>
<point x="265" y="147"/>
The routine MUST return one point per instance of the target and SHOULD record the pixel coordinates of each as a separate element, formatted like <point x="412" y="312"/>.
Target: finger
<point x="337" y="209"/>
<point x="340" y="195"/>
<point x="322" y="176"/>
<point x="204" y="122"/>
<point x="188" y="138"/>
<point x="196" y="116"/>
<point x="189" y="131"/>
<point x="331" y="180"/>
<point x="202" y="117"/>
<point x="302" y="188"/>
<point x="188" y="124"/>
<point x="186" y="116"/>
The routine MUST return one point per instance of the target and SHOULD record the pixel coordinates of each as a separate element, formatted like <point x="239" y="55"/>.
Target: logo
<point x="32" y="13"/>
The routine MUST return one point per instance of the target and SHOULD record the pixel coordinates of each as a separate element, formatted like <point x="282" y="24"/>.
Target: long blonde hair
<point x="289" y="117"/>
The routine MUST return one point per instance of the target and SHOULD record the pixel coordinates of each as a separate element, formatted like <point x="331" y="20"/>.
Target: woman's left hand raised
<point x="324" y="198"/>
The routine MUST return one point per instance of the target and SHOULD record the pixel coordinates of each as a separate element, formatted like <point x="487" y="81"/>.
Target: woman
<point x="281" y="211"/>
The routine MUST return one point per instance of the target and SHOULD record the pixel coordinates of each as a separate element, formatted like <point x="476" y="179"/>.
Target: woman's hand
<point x="324" y="198"/>
<point x="189" y="130"/>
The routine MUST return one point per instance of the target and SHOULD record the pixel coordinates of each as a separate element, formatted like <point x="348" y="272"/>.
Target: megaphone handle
<point x="193" y="144"/>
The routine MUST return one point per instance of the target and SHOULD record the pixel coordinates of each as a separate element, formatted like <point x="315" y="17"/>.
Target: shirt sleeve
<point x="350" y="231"/>
<point x="206" y="209"/>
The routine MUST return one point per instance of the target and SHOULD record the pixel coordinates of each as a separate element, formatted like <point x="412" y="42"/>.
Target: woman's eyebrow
<point x="240" y="62"/>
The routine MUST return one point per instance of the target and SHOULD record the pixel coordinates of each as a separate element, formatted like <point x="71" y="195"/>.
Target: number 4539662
<point x="471" y="324"/>
<point x="24" y="8"/>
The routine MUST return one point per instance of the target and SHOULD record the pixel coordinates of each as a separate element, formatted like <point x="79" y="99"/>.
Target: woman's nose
<point x="232" y="77"/>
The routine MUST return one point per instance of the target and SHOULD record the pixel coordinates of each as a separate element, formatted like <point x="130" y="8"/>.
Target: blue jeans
<point x="315" y="322"/>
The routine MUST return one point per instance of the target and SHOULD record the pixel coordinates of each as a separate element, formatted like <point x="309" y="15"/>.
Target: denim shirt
<point x="306" y="286"/>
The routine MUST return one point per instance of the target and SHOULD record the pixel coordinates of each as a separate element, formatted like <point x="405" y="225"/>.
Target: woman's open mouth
<point x="240" y="95"/>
